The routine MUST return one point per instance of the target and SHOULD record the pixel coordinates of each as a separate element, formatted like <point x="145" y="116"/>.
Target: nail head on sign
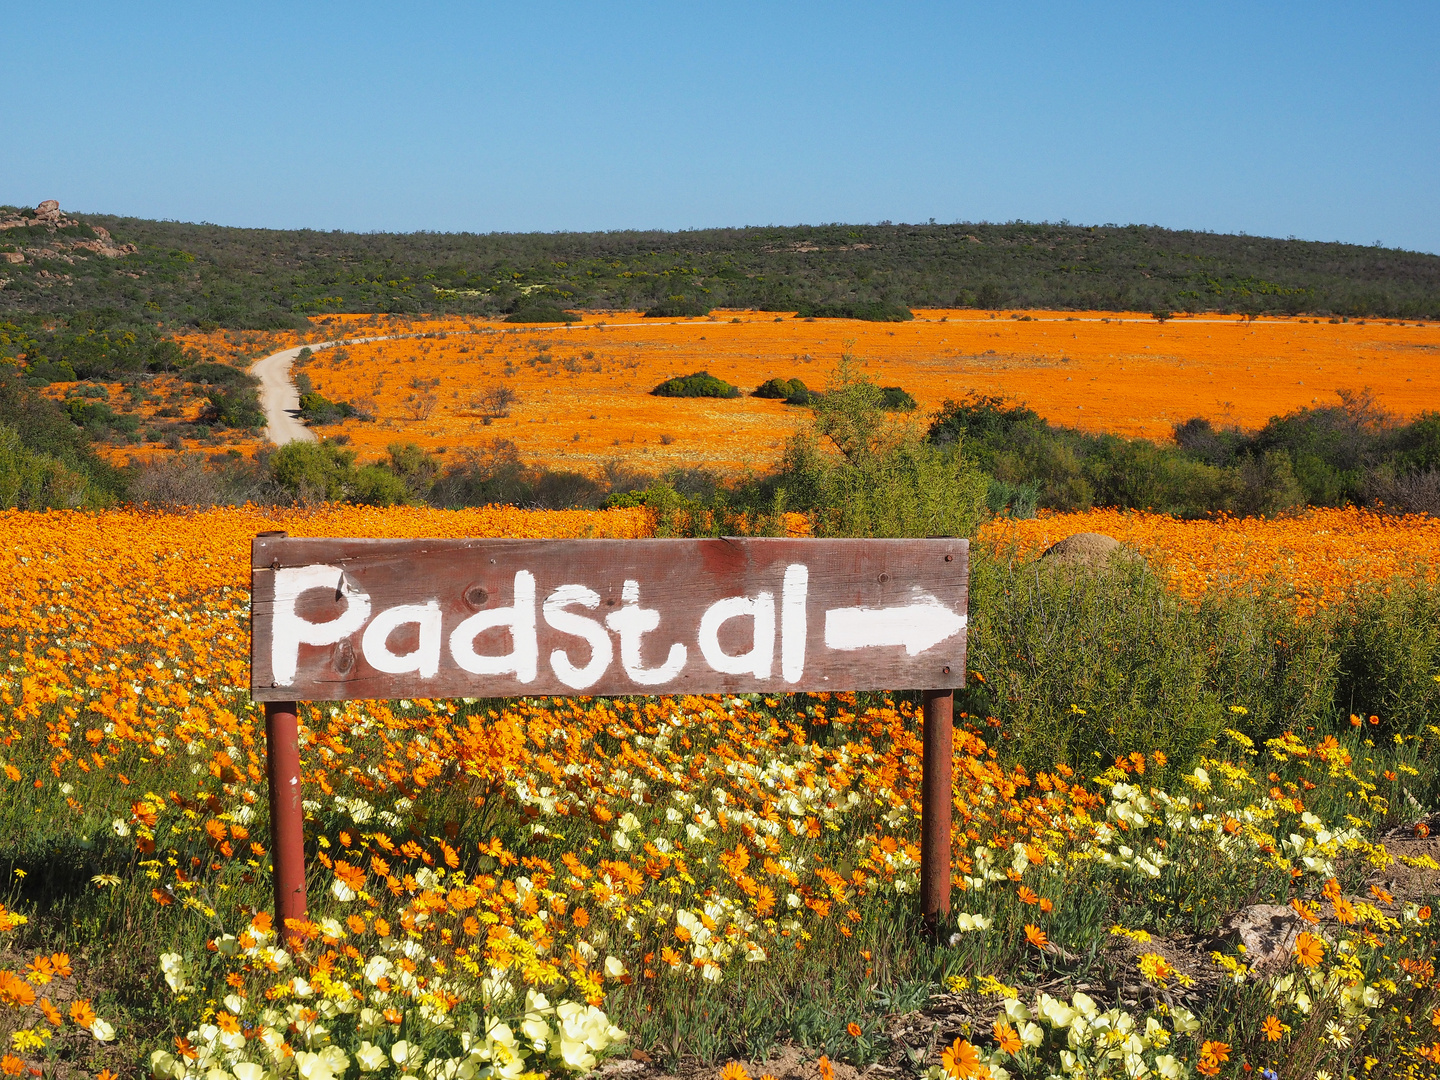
<point x="945" y="670"/>
<point x="949" y="558"/>
<point x="476" y="596"/>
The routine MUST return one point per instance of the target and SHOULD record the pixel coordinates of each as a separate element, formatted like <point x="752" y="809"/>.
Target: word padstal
<point x="916" y="626"/>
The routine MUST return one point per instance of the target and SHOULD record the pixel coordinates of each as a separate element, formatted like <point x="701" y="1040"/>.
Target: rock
<point x="1086" y="549"/>
<point x="49" y="210"/>
<point x="13" y="256"/>
<point x="1268" y="933"/>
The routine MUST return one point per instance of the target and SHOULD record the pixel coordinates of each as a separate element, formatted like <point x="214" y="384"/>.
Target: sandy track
<point x="280" y="399"/>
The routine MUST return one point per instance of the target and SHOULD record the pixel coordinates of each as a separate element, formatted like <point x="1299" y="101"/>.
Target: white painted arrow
<point x="917" y="626"/>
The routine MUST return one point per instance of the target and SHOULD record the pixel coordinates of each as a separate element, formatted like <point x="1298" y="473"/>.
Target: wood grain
<point x="678" y="579"/>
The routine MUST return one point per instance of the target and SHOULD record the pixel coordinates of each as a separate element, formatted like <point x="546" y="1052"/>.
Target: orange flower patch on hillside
<point x="583" y="390"/>
<point x="1319" y="553"/>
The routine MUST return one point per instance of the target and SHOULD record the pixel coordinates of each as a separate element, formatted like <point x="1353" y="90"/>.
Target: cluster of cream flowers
<point x="327" y="1030"/>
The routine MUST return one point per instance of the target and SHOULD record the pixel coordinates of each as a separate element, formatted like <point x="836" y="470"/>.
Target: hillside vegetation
<point x="82" y="268"/>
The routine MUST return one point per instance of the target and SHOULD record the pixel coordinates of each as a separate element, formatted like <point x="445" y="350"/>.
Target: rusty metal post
<point x="935" y="803"/>
<point x="287" y="817"/>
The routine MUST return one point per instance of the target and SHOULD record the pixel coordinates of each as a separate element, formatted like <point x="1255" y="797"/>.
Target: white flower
<point x="102" y="1030"/>
<point x="1184" y="1021"/>
<point x="175" y="970"/>
<point x="121" y="827"/>
<point x="1056" y="1012"/>
<point x="406" y="1055"/>
<point x="248" y="1070"/>
<point x="613" y="967"/>
<point x="536" y="1030"/>
<point x="1167" y="1066"/>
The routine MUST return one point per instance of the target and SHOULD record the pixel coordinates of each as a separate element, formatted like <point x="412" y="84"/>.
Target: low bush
<point x="678" y="307"/>
<point x="895" y="399"/>
<point x="542" y="313"/>
<point x="865" y="310"/>
<point x="698" y="384"/>
<point x="316" y="408"/>
<point x="1086" y="663"/>
<point x="236" y="406"/>
<point x="782" y="389"/>
<point x="36" y="481"/>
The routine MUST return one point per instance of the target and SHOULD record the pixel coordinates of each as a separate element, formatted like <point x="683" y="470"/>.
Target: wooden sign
<point x="338" y="619"/>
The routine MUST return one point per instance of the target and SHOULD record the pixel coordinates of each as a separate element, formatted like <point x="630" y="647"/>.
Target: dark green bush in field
<point x="678" y="307"/>
<point x="866" y="474"/>
<point x="699" y="384"/>
<point x="542" y="313"/>
<point x="44" y="372"/>
<point x="1076" y="661"/>
<point x="865" y="310"/>
<point x="316" y="408"/>
<point x="896" y="399"/>
<point x="781" y="389"/>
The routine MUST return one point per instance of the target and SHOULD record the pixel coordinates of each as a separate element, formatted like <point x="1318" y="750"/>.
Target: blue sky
<point x="1318" y="120"/>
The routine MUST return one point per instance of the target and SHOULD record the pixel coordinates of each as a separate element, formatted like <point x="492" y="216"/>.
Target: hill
<point x="102" y="271"/>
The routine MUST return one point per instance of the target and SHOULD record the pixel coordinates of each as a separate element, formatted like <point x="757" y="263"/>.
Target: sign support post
<point x="935" y="805"/>
<point x="287" y="816"/>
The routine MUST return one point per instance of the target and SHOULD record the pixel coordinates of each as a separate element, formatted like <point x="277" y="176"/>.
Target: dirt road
<point x="280" y="399"/>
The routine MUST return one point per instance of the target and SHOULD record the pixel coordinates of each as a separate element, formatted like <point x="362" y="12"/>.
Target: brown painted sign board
<point x="334" y="619"/>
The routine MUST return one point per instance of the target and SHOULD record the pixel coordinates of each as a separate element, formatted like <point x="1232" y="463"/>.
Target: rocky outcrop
<point x="48" y="214"/>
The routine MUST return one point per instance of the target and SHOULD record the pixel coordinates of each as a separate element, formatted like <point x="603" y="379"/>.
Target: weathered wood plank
<point x="334" y="619"/>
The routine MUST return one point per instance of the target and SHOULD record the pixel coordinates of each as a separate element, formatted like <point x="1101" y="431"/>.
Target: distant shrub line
<point x="1351" y="453"/>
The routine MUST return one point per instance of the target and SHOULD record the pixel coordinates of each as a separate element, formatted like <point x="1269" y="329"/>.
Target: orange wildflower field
<point x="584" y="397"/>
<point x="1319" y="554"/>
<point x="496" y="886"/>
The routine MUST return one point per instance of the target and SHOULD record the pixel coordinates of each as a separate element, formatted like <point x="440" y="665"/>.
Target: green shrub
<point x="866" y="474"/>
<point x="47" y="371"/>
<point x="678" y="307"/>
<point x="218" y="375"/>
<point x="1080" y="665"/>
<point x="1388" y="640"/>
<point x="314" y="471"/>
<point x="782" y="389"/>
<point x="31" y="481"/>
<point x="316" y="408"/>
<point x="236" y="406"/>
<point x="699" y="384"/>
<point x="894" y="399"/>
<point x="542" y="313"/>
<point x="375" y="485"/>
<point x="866" y="310"/>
